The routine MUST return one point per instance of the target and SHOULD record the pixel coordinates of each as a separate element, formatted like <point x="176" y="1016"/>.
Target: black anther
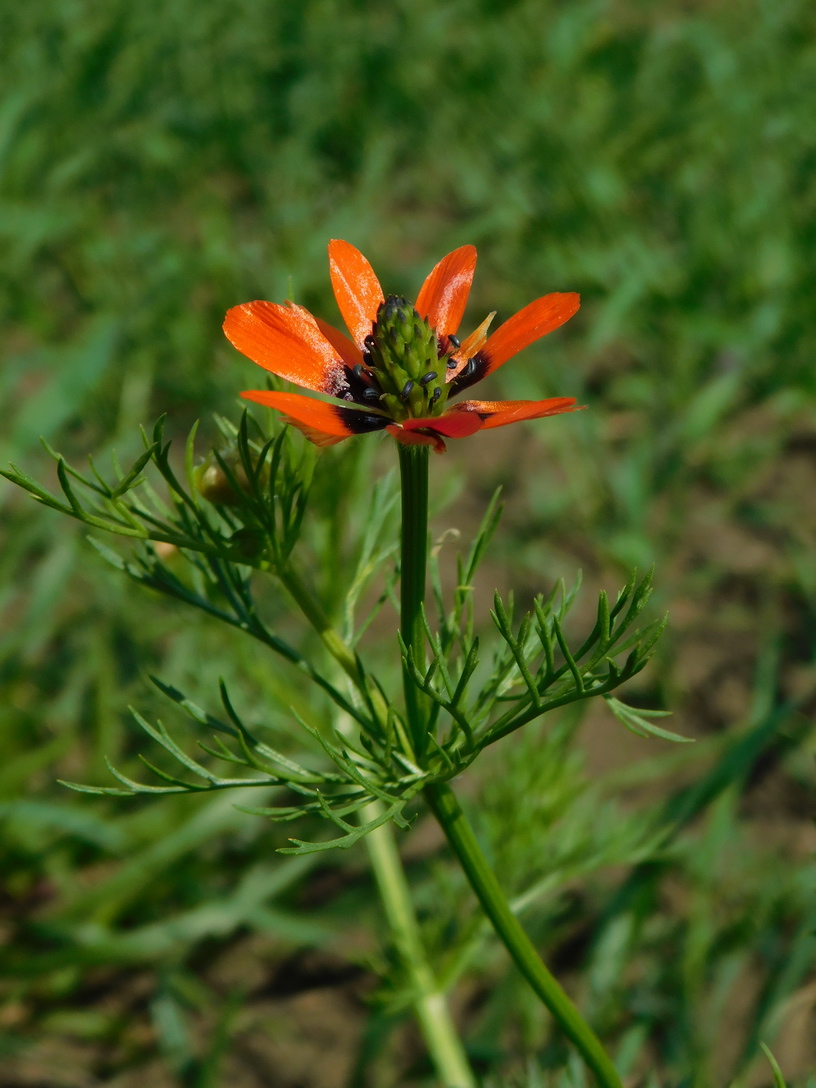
<point x="457" y="343"/>
<point x="429" y="377"/>
<point x="406" y="390"/>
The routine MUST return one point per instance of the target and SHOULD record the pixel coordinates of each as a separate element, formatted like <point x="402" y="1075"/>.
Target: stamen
<point x="429" y="377"/>
<point x="358" y="370"/>
<point x="437" y="393"/>
<point x="452" y="364"/>
<point x="457" y="343"/>
<point x="406" y="390"/>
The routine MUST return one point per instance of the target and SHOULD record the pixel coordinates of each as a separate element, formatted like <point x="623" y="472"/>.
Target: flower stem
<point x="413" y="563"/>
<point x="342" y="653"/>
<point x="482" y="879"/>
<point x="429" y="1004"/>
<point x="430" y="1007"/>
<point x="313" y="611"/>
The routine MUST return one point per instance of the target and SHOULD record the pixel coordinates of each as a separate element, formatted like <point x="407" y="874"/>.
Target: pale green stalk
<point x="429" y="1003"/>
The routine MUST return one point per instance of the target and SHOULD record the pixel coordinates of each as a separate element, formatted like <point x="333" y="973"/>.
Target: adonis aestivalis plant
<point x="390" y="726"/>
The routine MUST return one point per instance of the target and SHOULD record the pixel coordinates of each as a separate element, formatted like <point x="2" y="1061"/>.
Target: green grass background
<point x="161" y="162"/>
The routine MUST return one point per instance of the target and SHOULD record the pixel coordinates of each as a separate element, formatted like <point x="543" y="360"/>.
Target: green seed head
<point x="405" y="358"/>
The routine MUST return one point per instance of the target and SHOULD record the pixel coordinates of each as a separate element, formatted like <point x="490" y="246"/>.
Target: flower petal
<point x="431" y="430"/>
<point x="476" y="341"/>
<point x="498" y="413"/>
<point x="345" y="348"/>
<point x="416" y="438"/>
<point x="450" y="424"/>
<point x="287" y="341"/>
<point x="469" y="347"/>
<point x="322" y="423"/>
<point x="356" y="289"/>
<point x="524" y="328"/>
<point x="444" y="293"/>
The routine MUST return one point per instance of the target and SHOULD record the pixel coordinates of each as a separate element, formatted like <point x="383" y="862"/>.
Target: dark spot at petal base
<point x="473" y="371"/>
<point x="361" y="422"/>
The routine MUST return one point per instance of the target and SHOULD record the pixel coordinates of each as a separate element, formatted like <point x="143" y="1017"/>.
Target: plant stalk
<point x="342" y="653"/>
<point x="413" y="563"/>
<point x="429" y="1003"/>
<point x="313" y="611"/>
<point x="430" y="1006"/>
<point x="482" y="879"/>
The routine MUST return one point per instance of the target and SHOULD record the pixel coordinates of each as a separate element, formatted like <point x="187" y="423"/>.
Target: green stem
<point x="430" y="1006"/>
<point x="443" y="803"/>
<point x="342" y="653"/>
<point x="313" y="611"/>
<point x="445" y="807"/>
<point x="413" y="563"/>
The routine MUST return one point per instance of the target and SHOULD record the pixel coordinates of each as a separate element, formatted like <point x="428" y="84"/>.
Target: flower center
<point x="402" y="354"/>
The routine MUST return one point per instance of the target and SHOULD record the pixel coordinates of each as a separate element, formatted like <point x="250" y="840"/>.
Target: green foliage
<point x="163" y="162"/>
<point x="535" y="671"/>
<point x="249" y="514"/>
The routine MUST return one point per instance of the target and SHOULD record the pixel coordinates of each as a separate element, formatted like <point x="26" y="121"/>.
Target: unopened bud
<point x="215" y="485"/>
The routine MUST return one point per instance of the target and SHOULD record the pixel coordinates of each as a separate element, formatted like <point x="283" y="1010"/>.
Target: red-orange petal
<point x="345" y="348"/>
<point x="444" y="293"/>
<point x="432" y="430"/>
<point x="416" y="438"/>
<point x="287" y="341"/>
<point x="356" y="289"/>
<point x="450" y="424"/>
<point x="321" y="422"/>
<point x="524" y="328"/>
<point x="498" y="413"/>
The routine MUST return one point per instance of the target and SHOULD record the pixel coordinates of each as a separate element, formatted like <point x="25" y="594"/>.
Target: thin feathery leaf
<point x="162" y="737"/>
<point x="570" y="660"/>
<point x="345" y="842"/>
<point x="639" y="721"/>
<point x="189" y="462"/>
<point x="130" y="479"/>
<point x="100" y="791"/>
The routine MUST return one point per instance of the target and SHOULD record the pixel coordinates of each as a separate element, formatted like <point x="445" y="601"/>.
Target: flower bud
<point x="215" y="485"/>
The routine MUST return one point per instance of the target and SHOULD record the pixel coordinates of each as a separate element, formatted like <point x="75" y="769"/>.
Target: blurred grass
<point x="159" y="163"/>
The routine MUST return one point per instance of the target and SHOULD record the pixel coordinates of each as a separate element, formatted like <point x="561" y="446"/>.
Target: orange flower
<point x="402" y="364"/>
